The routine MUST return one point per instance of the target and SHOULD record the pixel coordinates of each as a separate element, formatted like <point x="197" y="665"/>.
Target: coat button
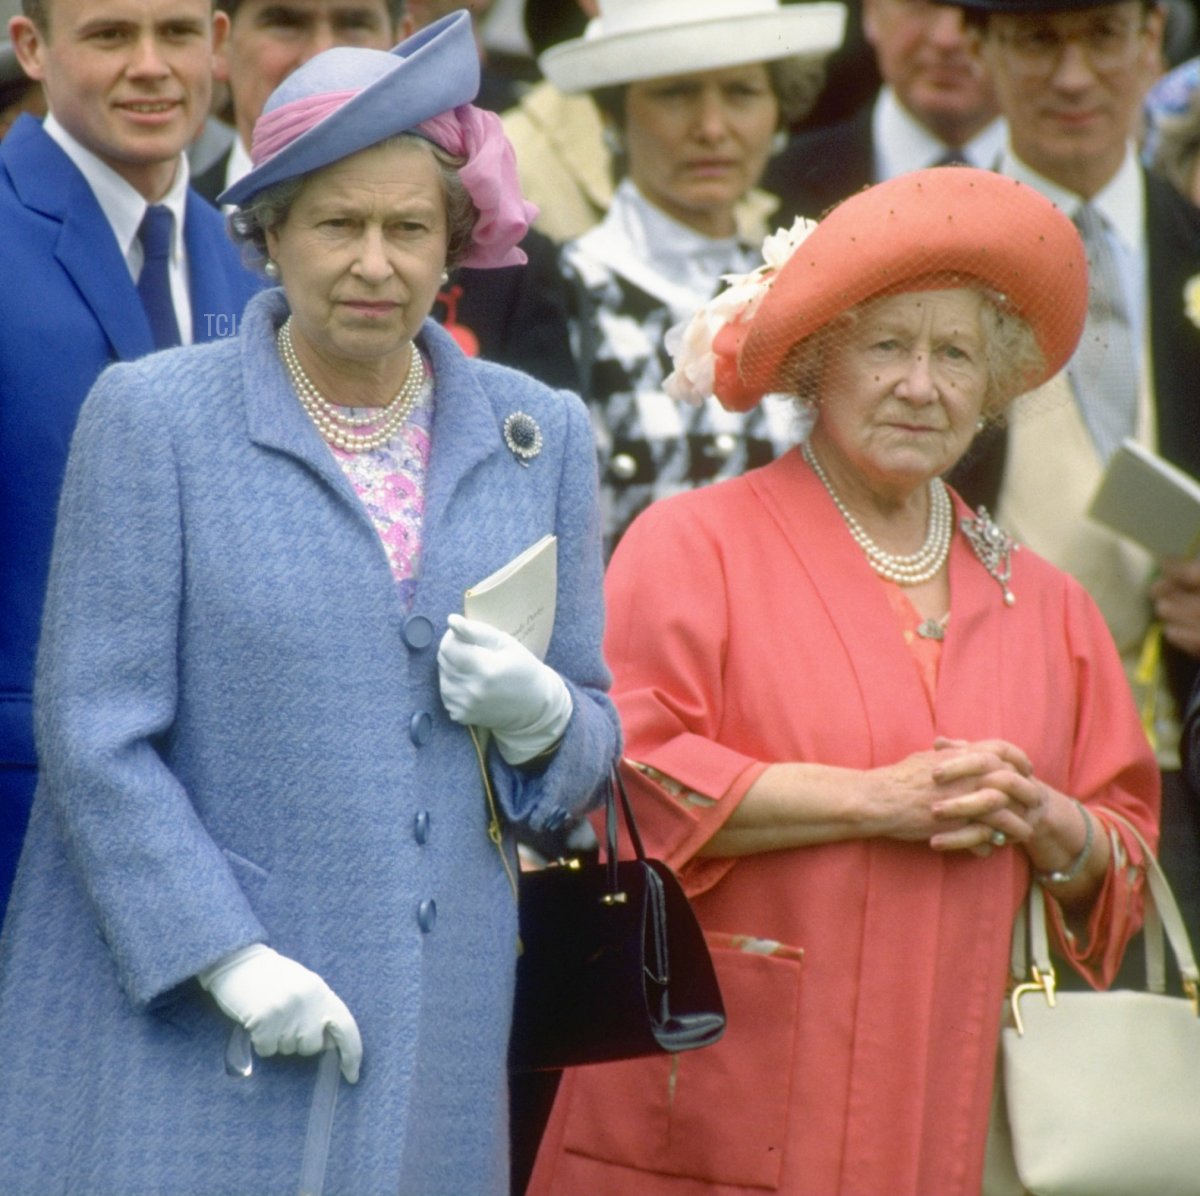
<point x="623" y="466"/>
<point x="417" y="632"/>
<point x="427" y="915"/>
<point x="419" y="727"/>
<point x="421" y="828"/>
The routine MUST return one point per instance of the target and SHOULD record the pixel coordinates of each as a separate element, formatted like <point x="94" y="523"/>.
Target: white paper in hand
<point x="520" y="597"/>
<point x="1148" y="499"/>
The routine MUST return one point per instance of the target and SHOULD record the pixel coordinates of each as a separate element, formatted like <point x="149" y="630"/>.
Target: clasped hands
<point x="969" y="796"/>
<point x="489" y="679"/>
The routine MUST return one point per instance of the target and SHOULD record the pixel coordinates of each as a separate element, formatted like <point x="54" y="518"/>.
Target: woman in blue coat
<point x="261" y="814"/>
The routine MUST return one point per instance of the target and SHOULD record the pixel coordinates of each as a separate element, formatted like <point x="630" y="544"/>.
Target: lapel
<point x="274" y="417"/>
<point x="466" y="433"/>
<point x="982" y="631"/>
<point x="217" y="283"/>
<point x="1173" y="260"/>
<point x="465" y="430"/>
<point x="46" y="181"/>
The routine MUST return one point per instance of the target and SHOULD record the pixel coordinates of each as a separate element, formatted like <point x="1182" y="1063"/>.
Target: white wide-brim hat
<point x="649" y="39"/>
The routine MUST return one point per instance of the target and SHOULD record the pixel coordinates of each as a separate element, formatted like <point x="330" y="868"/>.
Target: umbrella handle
<point x="239" y="1063"/>
<point x="320" y="1121"/>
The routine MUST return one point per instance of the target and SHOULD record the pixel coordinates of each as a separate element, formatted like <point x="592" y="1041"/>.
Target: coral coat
<point x="746" y="627"/>
<point x="242" y="740"/>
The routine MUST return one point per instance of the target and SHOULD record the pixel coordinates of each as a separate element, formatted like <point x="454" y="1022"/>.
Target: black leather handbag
<point x="614" y="964"/>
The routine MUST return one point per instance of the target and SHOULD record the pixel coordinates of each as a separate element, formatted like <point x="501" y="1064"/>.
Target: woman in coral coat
<point x="859" y="721"/>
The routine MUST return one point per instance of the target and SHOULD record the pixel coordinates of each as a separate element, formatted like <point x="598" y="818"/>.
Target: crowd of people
<point x="319" y="312"/>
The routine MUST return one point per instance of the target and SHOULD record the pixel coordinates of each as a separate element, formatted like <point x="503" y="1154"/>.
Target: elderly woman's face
<point x="362" y="250"/>
<point x="901" y="388"/>
<point x="697" y="143"/>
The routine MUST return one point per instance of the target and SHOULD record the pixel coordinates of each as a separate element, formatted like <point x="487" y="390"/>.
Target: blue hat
<point x="348" y="98"/>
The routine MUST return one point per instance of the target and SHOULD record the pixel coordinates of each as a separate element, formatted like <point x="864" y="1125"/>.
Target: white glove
<point x="490" y="680"/>
<point x="286" y="1008"/>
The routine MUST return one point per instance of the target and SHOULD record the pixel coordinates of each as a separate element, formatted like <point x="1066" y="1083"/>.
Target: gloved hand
<point x="286" y="1008"/>
<point x="490" y="680"/>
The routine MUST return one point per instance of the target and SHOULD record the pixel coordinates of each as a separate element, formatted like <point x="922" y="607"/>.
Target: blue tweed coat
<point x="242" y="740"/>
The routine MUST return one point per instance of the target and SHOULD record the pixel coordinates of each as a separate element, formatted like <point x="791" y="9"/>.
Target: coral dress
<point x="863" y="979"/>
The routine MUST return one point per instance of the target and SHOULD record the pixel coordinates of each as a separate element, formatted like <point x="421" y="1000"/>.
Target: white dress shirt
<point x="124" y="206"/>
<point x="902" y="143"/>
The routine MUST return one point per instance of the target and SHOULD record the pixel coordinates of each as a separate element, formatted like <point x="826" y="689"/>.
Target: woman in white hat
<point x="261" y="832"/>
<point x="693" y="93"/>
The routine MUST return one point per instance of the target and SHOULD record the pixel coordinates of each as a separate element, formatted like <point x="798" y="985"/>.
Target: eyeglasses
<point x="1108" y="45"/>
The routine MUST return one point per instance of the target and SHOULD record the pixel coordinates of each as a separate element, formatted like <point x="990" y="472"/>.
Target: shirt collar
<point x="1121" y="201"/>
<point x="902" y="143"/>
<point x="239" y="164"/>
<point x="122" y="204"/>
<point x="667" y="259"/>
<point x="686" y="253"/>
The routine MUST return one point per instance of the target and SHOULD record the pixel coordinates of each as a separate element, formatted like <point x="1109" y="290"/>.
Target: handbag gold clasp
<point x="614" y="899"/>
<point x="1042" y="982"/>
<point x="1193" y="994"/>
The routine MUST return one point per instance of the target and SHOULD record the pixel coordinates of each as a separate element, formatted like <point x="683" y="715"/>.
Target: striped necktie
<point x="1103" y="368"/>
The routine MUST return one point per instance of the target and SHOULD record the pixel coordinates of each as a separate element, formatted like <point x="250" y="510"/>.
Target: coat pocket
<point x="251" y="877"/>
<point x="717" y="1115"/>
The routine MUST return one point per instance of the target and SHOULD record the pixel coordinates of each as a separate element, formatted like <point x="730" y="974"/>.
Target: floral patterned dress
<point x="390" y="482"/>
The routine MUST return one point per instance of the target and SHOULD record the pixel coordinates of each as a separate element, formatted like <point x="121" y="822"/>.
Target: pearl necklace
<point x="335" y="425"/>
<point x="916" y="567"/>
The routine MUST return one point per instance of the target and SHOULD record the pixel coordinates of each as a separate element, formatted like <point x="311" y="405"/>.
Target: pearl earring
<point x="445" y="277"/>
<point x="271" y="268"/>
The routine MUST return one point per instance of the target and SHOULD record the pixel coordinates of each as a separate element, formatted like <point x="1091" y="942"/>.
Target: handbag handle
<point x="1162" y="914"/>
<point x="616" y="786"/>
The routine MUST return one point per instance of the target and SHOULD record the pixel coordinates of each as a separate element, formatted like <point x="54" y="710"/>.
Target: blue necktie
<point x="154" y="282"/>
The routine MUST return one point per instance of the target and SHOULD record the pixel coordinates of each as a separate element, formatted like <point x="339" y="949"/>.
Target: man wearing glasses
<point x="1070" y="77"/>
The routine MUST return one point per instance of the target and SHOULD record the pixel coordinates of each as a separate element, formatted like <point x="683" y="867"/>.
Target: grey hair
<point x="1012" y="355"/>
<point x="269" y="209"/>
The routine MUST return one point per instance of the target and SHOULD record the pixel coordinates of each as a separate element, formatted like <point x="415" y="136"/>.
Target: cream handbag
<point x="1098" y="1093"/>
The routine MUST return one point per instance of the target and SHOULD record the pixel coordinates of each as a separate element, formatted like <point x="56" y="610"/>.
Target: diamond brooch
<point x="994" y="548"/>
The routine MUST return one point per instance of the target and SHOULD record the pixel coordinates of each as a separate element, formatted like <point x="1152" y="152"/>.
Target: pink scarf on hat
<point x="489" y="173"/>
<point x="490" y="177"/>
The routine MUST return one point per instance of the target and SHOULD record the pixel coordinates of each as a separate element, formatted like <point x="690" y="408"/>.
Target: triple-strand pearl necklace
<point x="337" y="426"/>
<point x="916" y="567"/>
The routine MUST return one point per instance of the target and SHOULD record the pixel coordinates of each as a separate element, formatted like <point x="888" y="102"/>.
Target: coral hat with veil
<point x="931" y="229"/>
